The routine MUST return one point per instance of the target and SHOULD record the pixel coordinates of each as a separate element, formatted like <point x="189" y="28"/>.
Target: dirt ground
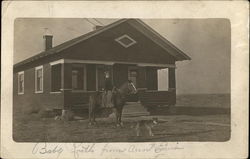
<point x="170" y="128"/>
<point x="187" y="124"/>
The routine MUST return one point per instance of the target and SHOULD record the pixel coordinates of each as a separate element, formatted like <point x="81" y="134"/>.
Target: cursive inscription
<point x="110" y="149"/>
<point x="81" y="148"/>
<point x="42" y="148"/>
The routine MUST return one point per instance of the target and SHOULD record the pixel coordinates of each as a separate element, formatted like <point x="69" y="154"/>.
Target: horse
<point x="118" y="99"/>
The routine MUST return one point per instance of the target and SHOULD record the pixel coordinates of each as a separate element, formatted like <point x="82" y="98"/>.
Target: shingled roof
<point x="136" y="23"/>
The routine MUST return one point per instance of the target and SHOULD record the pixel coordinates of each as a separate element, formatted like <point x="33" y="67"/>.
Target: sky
<point x="206" y="41"/>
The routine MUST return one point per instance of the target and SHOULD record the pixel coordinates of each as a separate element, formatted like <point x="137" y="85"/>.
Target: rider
<point x="108" y="89"/>
<point x="108" y="84"/>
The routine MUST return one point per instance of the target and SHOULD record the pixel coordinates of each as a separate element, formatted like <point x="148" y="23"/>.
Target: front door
<point x="133" y="75"/>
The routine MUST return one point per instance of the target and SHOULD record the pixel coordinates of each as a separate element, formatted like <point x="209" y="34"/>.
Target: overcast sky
<point x="206" y="41"/>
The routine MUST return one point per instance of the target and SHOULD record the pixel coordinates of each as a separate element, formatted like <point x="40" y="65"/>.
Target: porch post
<point x="172" y="83"/>
<point x="66" y="85"/>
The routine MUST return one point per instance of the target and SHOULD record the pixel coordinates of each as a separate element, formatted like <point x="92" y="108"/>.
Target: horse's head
<point x="127" y="88"/>
<point x="131" y="87"/>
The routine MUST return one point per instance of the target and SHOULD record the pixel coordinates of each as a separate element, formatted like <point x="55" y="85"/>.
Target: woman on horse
<point x="108" y="84"/>
<point x="107" y="90"/>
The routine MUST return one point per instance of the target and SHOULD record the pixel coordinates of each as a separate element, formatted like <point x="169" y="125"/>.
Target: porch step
<point x="134" y="109"/>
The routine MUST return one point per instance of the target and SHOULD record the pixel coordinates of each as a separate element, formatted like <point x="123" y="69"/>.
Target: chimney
<point x="47" y="39"/>
<point x="97" y="27"/>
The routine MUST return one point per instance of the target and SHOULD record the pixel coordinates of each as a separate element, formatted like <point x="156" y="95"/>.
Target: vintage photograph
<point x="121" y="80"/>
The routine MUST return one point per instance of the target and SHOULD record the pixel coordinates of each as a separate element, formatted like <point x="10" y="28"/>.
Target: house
<point x="63" y="76"/>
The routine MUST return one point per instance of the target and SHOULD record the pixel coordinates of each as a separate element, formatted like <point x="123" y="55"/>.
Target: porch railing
<point x="147" y="98"/>
<point x="157" y="98"/>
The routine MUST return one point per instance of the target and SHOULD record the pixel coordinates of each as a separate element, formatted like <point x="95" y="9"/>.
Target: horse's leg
<point x="117" y="117"/>
<point x="120" y="117"/>
<point x="90" y="113"/>
<point x="91" y="118"/>
<point x="94" y="113"/>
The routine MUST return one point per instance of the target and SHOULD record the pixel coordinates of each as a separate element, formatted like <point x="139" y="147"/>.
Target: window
<point x="21" y="82"/>
<point x="162" y="79"/>
<point x="126" y="41"/>
<point x="78" y="77"/>
<point x="56" y="79"/>
<point x="39" y="79"/>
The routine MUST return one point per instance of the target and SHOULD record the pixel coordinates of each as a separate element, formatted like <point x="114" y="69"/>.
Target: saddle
<point x="106" y="99"/>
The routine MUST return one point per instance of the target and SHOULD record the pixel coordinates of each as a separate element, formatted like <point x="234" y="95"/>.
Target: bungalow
<point x="63" y="76"/>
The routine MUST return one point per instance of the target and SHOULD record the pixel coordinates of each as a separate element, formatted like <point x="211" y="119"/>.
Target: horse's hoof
<point x="121" y="124"/>
<point x="90" y="124"/>
<point x="117" y="125"/>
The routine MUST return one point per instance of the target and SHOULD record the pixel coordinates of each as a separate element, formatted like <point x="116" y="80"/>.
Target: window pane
<point x="78" y="78"/>
<point x="20" y="83"/>
<point x="39" y="80"/>
<point x="38" y="84"/>
<point x="39" y="73"/>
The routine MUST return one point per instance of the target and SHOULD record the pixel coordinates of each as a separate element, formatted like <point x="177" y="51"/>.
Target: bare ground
<point x="170" y="128"/>
<point x="183" y="126"/>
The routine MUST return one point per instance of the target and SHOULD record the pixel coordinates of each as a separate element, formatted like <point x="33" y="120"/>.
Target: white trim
<point x="18" y="91"/>
<point x="111" y="63"/>
<point x="21" y="72"/>
<point x="157" y="65"/>
<point x="38" y="68"/>
<point x="65" y="89"/>
<point x="119" y="62"/>
<point x="88" y="62"/>
<point x="55" y="92"/>
<point x="125" y="45"/>
<point x="57" y="62"/>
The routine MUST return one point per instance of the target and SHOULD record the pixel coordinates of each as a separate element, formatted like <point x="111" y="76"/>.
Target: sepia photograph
<point x="124" y="79"/>
<point x="121" y="80"/>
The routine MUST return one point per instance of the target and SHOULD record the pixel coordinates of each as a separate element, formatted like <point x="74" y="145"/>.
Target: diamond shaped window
<point x="126" y="41"/>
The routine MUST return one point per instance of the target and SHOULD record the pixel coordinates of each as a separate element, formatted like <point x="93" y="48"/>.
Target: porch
<point x="76" y="80"/>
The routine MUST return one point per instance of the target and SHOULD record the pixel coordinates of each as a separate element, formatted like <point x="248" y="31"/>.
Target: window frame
<point x="125" y="36"/>
<point x="84" y="77"/>
<point x="18" y="83"/>
<point x="38" y="68"/>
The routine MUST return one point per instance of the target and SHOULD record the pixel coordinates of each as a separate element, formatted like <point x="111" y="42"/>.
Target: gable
<point x="155" y="48"/>
<point x="105" y="47"/>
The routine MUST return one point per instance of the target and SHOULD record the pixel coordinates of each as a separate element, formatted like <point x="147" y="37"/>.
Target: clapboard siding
<point x="151" y="78"/>
<point x="45" y="100"/>
<point x="120" y="74"/>
<point x="91" y="77"/>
